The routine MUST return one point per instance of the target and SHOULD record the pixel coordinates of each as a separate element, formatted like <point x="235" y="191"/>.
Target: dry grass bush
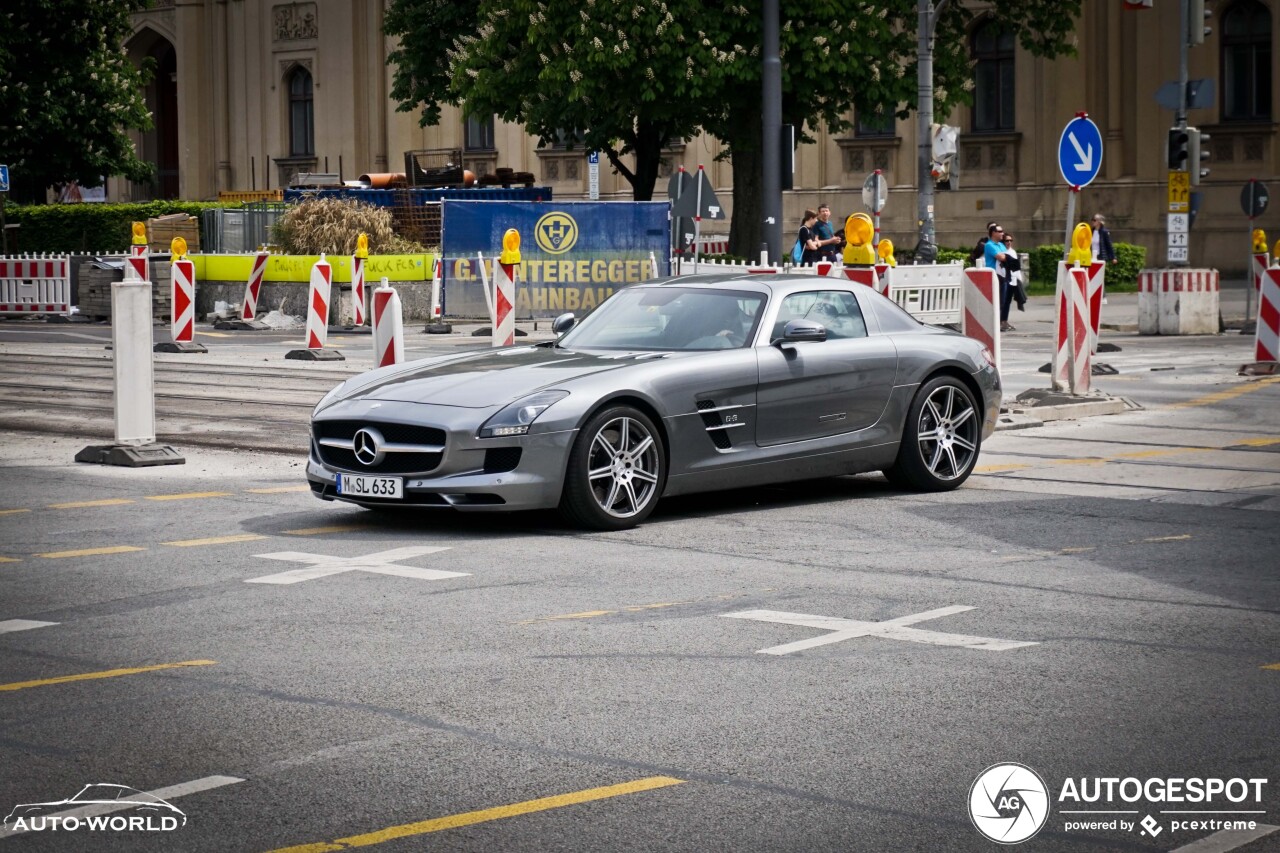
<point x="332" y="226"/>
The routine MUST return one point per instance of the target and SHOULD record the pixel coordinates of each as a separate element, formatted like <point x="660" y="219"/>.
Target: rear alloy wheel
<point x="616" y="471"/>
<point x="941" y="439"/>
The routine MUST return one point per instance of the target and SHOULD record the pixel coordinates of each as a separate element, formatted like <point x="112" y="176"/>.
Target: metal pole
<point x="1072" y="192"/>
<point x="927" y="19"/>
<point x="1184" y="35"/>
<point x="1248" y="279"/>
<point x="770" y="149"/>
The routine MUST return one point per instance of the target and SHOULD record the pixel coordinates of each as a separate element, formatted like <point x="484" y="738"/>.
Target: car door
<point x="822" y="388"/>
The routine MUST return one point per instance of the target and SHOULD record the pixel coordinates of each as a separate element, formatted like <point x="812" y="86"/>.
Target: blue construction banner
<point x="573" y="254"/>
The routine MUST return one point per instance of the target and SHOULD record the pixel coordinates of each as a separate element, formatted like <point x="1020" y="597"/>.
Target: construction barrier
<point x="982" y="309"/>
<point x="253" y="287"/>
<point x="318" y="304"/>
<point x="437" y="281"/>
<point x="504" y="300"/>
<point x="863" y="275"/>
<point x="357" y="290"/>
<point x="1258" y="263"/>
<point x="1267" y="337"/>
<point x="931" y="293"/>
<point x="1178" y="302"/>
<point x="388" y="326"/>
<point x="1097" y="284"/>
<point x="35" y="285"/>
<point x="182" y="275"/>
<point x="132" y="361"/>
<point x="140" y="260"/>
<point x="1070" y="369"/>
<point x="883" y="271"/>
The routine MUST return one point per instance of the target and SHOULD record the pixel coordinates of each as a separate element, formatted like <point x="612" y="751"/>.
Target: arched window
<point x="302" y="117"/>
<point x="1246" y="62"/>
<point x="993" y="77"/>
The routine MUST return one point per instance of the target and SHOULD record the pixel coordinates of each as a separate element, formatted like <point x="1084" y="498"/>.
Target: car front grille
<point x="394" y="461"/>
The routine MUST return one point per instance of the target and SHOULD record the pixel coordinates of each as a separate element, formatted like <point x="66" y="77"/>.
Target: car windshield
<point x="670" y="318"/>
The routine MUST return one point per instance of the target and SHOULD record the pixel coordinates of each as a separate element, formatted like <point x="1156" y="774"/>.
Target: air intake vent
<point x="498" y="460"/>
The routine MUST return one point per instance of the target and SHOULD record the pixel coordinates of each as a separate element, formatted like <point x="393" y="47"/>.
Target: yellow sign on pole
<point x="1179" y="192"/>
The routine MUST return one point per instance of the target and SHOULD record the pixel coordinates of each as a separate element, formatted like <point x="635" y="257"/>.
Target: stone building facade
<point x="249" y="92"/>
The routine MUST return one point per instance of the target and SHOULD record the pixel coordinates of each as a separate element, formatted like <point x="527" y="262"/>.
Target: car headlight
<point x="328" y="398"/>
<point x="516" y="418"/>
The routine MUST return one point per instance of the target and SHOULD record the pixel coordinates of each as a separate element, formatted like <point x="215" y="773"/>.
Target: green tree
<point x="625" y="78"/>
<point x="69" y="94"/>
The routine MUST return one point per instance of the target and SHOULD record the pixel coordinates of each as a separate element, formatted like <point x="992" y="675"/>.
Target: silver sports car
<point x="669" y="387"/>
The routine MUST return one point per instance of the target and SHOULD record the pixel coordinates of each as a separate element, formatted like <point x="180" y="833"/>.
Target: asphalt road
<point x="1113" y="583"/>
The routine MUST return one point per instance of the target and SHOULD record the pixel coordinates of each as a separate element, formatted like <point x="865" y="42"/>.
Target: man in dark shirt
<point x="829" y="242"/>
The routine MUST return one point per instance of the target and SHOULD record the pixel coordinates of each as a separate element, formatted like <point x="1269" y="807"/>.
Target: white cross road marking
<point x="172" y="792"/>
<point x="893" y="629"/>
<point x="11" y="625"/>
<point x="1227" y="839"/>
<point x="381" y="563"/>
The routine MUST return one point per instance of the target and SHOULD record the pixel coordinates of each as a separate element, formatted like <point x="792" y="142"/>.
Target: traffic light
<point x="1197" y="152"/>
<point x="1177" y="152"/>
<point x="1197" y="14"/>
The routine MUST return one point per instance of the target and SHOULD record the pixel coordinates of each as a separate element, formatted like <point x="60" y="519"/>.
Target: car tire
<point x="617" y="471"/>
<point x="940" y="440"/>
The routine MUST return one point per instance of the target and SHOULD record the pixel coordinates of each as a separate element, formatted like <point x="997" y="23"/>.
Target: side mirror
<point x="563" y="323"/>
<point x="798" y="331"/>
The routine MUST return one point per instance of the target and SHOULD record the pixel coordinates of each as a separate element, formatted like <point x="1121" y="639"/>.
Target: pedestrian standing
<point x="829" y="241"/>
<point x="995" y="256"/>
<point x="1103" y="251"/>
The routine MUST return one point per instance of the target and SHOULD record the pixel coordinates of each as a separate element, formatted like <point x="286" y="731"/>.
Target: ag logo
<point x="1008" y="803"/>
<point x="556" y="233"/>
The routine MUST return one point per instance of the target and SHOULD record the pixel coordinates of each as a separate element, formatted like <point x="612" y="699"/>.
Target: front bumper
<point x="460" y="480"/>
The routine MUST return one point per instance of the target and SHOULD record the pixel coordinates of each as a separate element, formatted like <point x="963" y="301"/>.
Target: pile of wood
<point x="94" y="296"/>
<point x="162" y="230"/>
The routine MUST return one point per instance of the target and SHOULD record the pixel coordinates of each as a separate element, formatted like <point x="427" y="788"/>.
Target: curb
<point x="1019" y="416"/>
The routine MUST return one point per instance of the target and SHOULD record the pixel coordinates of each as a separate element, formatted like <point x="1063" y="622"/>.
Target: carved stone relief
<point x="295" y="22"/>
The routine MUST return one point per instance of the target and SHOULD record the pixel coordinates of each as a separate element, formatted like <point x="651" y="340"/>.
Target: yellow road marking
<point x="1272" y="666"/>
<point x="654" y="606"/>
<point x="1166" y="451"/>
<point x="12" y="511"/>
<point x="214" y="334"/>
<point x="110" y="673"/>
<point x="1260" y="442"/>
<point x="991" y="469"/>
<point x="82" y="504"/>
<point x="279" y="490"/>
<point x="10" y="560"/>
<point x="215" y="540"/>
<point x="313" y="531"/>
<point x="92" y="552"/>
<point x="1167" y="538"/>
<point x="586" y="614"/>
<point x="406" y="830"/>
<point x="1222" y="396"/>
<point x="1079" y="550"/>
<point x="188" y="496"/>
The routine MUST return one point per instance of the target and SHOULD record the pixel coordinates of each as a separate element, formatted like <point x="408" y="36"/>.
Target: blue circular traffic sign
<point x="1080" y="152"/>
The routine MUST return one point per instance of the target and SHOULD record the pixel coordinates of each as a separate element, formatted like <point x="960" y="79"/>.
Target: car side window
<point x="837" y="310"/>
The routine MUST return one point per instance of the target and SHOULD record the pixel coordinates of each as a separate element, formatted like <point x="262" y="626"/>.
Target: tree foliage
<point x="69" y="93"/>
<point x="624" y="77"/>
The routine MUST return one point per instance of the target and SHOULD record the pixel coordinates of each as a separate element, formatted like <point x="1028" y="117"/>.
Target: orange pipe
<point x="384" y="180"/>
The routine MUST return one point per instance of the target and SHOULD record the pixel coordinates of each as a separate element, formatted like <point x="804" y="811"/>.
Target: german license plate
<point x="371" y="487"/>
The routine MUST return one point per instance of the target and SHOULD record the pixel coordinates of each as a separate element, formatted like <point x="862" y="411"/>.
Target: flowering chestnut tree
<point x="628" y="77"/>
<point x="69" y="94"/>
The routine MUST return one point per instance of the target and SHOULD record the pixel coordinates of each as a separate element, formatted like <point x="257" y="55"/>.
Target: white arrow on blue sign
<point x="4" y="179"/>
<point x="1080" y="152"/>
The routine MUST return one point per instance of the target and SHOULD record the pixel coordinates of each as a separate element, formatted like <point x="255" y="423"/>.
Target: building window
<point x="302" y="118"/>
<point x="1246" y="62"/>
<point x="874" y="123"/>
<point x="479" y="133"/>
<point x="993" y="77"/>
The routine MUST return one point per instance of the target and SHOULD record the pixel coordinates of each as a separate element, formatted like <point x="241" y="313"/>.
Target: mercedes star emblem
<point x="367" y="446"/>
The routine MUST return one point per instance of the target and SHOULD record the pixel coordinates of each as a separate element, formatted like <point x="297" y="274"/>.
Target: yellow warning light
<point x="1081" y="245"/>
<point x="178" y="247"/>
<point x="510" y="247"/>
<point x="139" y="234"/>
<point x="1259" y="241"/>
<point x="885" y="252"/>
<point x="858" y="233"/>
<point x="362" y="246"/>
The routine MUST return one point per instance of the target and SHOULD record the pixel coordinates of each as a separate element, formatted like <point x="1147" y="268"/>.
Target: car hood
<point x="487" y="378"/>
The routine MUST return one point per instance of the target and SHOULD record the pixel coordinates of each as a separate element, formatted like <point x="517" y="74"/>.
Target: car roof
<point x="767" y="283"/>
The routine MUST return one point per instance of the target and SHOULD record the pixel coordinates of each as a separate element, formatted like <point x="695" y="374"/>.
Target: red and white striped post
<point x="357" y="280"/>
<point x="882" y="278"/>
<point x="1097" y="281"/>
<point x="1258" y="263"/>
<point x="388" y="326"/>
<point x="1266" y="339"/>
<point x="253" y="287"/>
<point x="1071" y="370"/>
<point x="863" y="275"/>
<point x="318" y="304"/>
<point x="139" y="253"/>
<point x="504" y="290"/>
<point x="981" y="317"/>
<point x="182" y="291"/>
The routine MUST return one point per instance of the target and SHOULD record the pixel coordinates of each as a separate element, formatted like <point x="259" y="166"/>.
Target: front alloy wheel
<point x="616" y="471"/>
<point x="941" y="439"/>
